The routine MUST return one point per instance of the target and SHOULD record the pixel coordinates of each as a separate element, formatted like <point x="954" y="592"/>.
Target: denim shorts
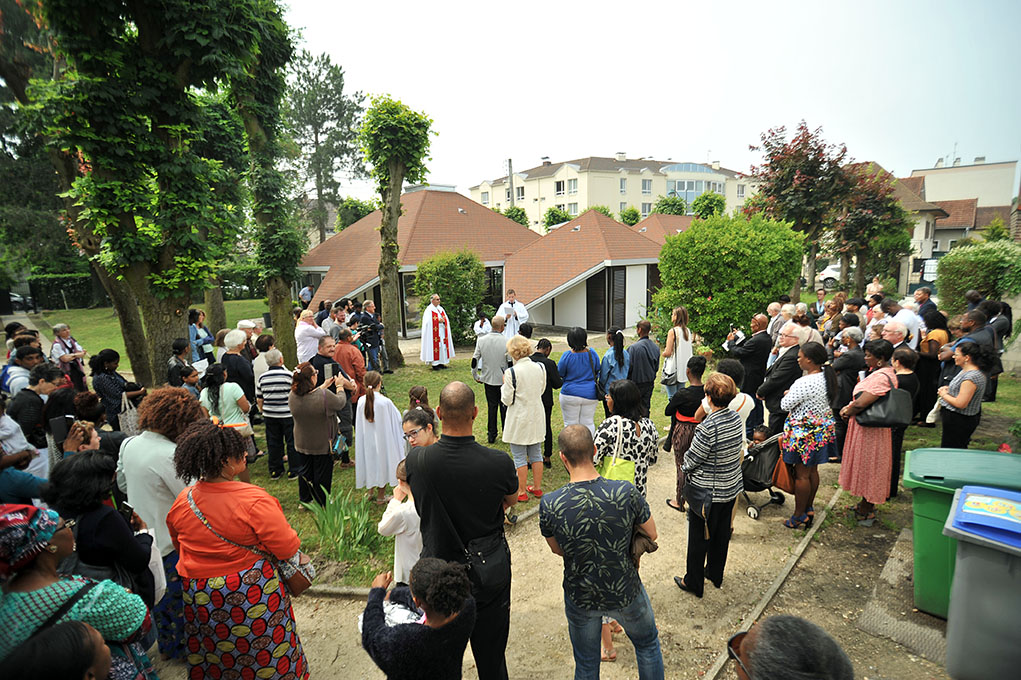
<point x="526" y="453"/>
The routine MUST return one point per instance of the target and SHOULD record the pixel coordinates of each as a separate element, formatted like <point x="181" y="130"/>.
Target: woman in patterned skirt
<point x="809" y="435"/>
<point x="237" y="612"/>
<point x="681" y="409"/>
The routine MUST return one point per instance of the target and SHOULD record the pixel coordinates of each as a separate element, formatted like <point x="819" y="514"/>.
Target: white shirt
<point x="401" y="520"/>
<point x="482" y="327"/>
<point x="145" y="471"/>
<point x="307" y="335"/>
<point x="911" y="320"/>
<point x="508" y="310"/>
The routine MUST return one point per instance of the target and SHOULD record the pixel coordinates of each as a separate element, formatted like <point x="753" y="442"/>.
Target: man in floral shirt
<point x="589" y="522"/>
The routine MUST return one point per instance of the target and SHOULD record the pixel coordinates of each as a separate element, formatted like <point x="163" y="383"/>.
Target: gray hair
<point x="896" y="327"/>
<point x="788" y="310"/>
<point x="793" y="648"/>
<point x="802" y="308"/>
<point x="774" y="308"/>
<point x="854" y="333"/>
<point x="274" y="357"/>
<point x="235" y="338"/>
<point x="60" y="327"/>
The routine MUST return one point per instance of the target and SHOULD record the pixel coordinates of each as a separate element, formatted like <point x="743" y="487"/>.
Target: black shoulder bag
<point x="487" y="558"/>
<point x="600" y="392"/>
<point x="893" y="409"/>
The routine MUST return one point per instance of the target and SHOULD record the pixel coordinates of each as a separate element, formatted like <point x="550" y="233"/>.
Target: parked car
<point x="830" y="277"/>
<point x="20" y="303"/>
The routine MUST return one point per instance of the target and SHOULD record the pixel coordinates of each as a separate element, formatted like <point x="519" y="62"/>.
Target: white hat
<point x="245" y="323"/>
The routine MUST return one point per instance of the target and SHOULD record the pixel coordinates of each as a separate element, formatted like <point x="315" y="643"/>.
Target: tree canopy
<point x="350" y="210"/>
<point x="516" y="213"/>
<point x="460" y="280"/>
<point x="708" y="204"/>
<point x="670" y="205"/>
<point x="630" y="216"/>
<point x="555" y="216"/>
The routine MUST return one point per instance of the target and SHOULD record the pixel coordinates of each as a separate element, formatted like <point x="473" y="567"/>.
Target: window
<point x="646" y="186"/>
<point x="950" y="246"/>
<point x="740" y="191"/>
<point x="508" y="195"/>
<point x="623" y="206"/>
<point x="572" y="186"/>
<point x="519" y="193"/>
<point x="558" y="188"/>
<point x="646" y="209"/>
<point x="560" y="206"/>
<point x="623" y="185"/>
<point x="485" y="198"/>
<point x="572" y="209"/>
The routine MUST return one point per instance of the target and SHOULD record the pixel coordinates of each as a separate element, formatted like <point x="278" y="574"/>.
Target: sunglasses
<point x="408" y="436"/>
<point x="733" y="646"/>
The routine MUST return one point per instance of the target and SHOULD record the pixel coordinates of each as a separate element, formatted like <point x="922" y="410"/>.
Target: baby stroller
<point x="757" y="473"/>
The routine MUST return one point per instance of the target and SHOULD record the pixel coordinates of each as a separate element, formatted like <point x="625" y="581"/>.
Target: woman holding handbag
<point x="678" y="350"/>
<point x="712" y="469"/>
<point x="867" y="457"/>
<point x="682" y="409"/>
<point x="237" y="552"/>
<point x="525" y="427"/>
<point x="111" y="385"/>
<point x="626" y="435"/>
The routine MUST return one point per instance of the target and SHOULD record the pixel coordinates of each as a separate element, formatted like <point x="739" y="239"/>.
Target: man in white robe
<point x="515" y="314"/>
<point x="437" y="343"/>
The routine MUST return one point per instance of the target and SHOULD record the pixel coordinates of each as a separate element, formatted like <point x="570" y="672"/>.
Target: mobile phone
<point x="329" y="371"/>
<point x="60" y="427"/>
<point x="127" y="511"/>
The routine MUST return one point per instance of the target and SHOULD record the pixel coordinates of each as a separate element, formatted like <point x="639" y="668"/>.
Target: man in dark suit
<point x="923" y="302"/>
<point x="752" y="352"/>
<point x="782" y="374"/>
<point x="553" y="382"/>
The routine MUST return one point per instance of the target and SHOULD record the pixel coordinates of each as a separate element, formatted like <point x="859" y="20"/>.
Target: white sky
<point x="900" y="82"/>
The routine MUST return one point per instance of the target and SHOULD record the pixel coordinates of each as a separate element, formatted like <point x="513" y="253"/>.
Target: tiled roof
<point x="960" y="214"/>
<point x="658" y="227"/>
<point x="911" y="201"/>
<point x="432" y="221"/>
<point x="983" y="216"/>
<point x="571" y="250"/>
<point x="915" y="184"/>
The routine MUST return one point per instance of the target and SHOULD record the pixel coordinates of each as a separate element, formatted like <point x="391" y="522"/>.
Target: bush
<point x="460" y="280"/>
<point x="555" y="216"/>
<point x="630" y="216"/>
<point x="516" y="213"/>
<point x="602" y="209"/>
<point x="725" y="270"/>
<point x="992" y="268"/>
<point x="242" y="280"/>
<point x="708" y="204"/>
<point x="52" y="291"/>
<point x="670" y="205"/>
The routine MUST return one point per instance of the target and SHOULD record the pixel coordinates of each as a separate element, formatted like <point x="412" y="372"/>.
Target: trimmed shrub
<point x="725" y="270"/>
<point x="460" y="280"/>
<point x="991" y="268"/>
<point x="51" y="291"/>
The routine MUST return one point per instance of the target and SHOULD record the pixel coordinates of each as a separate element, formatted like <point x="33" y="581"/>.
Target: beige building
<point x="618" y="183"/>
<point x="992" y="184"/>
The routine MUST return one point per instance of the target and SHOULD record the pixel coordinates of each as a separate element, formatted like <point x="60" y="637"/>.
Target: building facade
<point x="617" y="183"/>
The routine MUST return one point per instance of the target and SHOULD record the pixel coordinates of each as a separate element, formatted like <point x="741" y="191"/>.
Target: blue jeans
<point x="638" y="622"/>
<point x="374" y="359"/>
<point x="671" y="390"/>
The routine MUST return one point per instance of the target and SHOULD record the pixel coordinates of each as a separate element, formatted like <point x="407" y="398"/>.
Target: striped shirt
<point x="273" y="387"/>
<point x="714" y="459"/>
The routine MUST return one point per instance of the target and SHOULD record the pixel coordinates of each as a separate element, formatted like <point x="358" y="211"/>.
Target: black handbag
<point x="893" y="409"/>
<point x="600" y="392"/>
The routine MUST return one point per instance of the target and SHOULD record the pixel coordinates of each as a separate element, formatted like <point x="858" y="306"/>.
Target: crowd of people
<point x="128" y="518"/>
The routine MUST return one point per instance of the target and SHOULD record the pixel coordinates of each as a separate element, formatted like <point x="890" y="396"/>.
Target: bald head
<point x="457" y="405"/>
<point x="575" y="442"/>
<point x="498" y="323"/>
<point x="759" y="323"/>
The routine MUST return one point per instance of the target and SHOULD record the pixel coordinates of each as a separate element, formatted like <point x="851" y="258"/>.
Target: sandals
<point x="866" y="520"/>
<point x="810" y="511"/>
<point x="523" y="497"/>
<point x="609" y="657"/>
<point x="798" y="522"/>
<point x="670" y="504"/>
<point x="535" y="492"/>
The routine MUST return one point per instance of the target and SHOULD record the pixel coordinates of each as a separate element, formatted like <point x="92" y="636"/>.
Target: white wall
<point x="571" y="307"/>
<point x="637" y="284"/>
<point x="541" y="314"/>
<point x="992" y="184"/>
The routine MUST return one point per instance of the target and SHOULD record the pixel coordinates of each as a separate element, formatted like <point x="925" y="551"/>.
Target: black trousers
<point x="927" y="371"/>
<point x="489" y="637"/>
<point x="707" y="557"/>
<point x="494" y="405"/>
<point x="315" y="479"/>
<point x="280" y="434"/>
<point x="755" y="418"/>
<point x="897" y="442"/>
<point x="776" y="421"/>
<point x="347" y="429"/>
<point x="645" y="389"/>
<point x="957" y="428"/>
<point x="547" y="443"/>
<point x="841" y="430"/>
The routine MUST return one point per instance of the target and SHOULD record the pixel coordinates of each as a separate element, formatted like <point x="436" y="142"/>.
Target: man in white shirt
<point x="437" y="342"/>
<point x="306" y="335"/>
<point x="305" y="295"/>
<point x="514" y="314"/>
<point x="907" y="317"/>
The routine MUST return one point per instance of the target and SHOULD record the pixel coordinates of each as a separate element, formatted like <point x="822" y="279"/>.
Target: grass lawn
<point x="98" y="329"/>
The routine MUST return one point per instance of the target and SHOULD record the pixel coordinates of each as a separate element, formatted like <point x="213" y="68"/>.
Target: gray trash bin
<point x="985" y="598"/>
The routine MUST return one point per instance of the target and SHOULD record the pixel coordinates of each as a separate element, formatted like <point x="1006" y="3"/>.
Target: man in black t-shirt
<point x="472" y="485"/>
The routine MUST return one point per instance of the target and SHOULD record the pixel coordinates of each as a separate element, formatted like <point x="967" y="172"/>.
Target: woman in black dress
<point x="681" y="409"/>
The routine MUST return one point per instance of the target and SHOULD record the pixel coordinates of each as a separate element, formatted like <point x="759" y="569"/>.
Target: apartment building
<point x="618" y="183"/>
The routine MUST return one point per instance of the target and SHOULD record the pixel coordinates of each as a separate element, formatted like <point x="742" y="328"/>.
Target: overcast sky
<point x="900" y="82"/>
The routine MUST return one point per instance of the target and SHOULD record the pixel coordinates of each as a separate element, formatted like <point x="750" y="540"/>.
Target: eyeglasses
<point x="733" y="645"/>
<point x="408" y="436"/>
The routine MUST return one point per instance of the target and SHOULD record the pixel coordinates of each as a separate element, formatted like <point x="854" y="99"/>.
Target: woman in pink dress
<point x="865" y="470"/>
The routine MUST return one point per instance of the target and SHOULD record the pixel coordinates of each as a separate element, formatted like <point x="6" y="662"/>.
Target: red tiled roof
<point x="432" y="222"/>
<point x="571" y="250"/>
<point x="915" y="184"/>
<point x="961" y="213"/>
<point x="983" y="216"/>
<point x="658" y="227"/>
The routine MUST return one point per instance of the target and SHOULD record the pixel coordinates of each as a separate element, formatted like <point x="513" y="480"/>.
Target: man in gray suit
<point x="488" y="364"/>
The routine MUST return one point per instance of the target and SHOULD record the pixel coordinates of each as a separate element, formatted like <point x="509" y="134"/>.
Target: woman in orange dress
<point x="237" y="611"/>
<point x="867" y="462"/>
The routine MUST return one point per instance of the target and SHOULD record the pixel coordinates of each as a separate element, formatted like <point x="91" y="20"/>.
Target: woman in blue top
<point x="580" y="369"/>
<point x="615" y="364"/>
<point x="199" y="336"/>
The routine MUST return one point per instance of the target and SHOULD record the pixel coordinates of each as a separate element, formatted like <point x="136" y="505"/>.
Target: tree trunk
<point x="167" y="320"/>
<point x="389" y="267"/>
<point x="98" y="296"/>
<point x="859" y="274"/>
<point x="280" y="305"/>
<point x="813" y="252"/>
<point x="126" y="307"/>
<point x="845" y="268"/>
<point x="216" y="314"/>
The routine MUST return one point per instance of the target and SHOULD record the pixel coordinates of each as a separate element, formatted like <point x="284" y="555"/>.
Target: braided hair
<point x="204" y="448"/>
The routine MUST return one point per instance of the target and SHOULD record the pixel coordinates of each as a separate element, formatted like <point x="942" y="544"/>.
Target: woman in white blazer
<point x="525" y="427"/>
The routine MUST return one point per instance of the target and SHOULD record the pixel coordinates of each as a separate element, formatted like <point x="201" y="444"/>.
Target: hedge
<point x="52" y="291"/>
<point x="991" y="268"/>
